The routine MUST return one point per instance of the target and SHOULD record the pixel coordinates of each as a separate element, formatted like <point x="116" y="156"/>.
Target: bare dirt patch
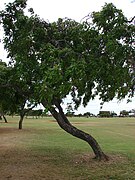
<point x="88" y="159"/>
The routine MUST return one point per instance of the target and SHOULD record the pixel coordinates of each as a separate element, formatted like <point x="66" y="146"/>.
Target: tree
<point x="88" y="114"/>
<point x="70" y="111"/>
<point x="84" y="59"/>
<point x="13" y="93"/>
<point x="124" y="113"/>
<point x="36" y="113"/>
<point x="104" y="114"/>
<point x="6" y="95"/>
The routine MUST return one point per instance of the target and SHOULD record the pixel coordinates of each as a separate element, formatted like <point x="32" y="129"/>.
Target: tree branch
<point x="131" y="19"/>
<point x="17" y="88"/>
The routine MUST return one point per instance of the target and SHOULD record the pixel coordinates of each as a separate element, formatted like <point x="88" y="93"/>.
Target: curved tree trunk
<point x="69" y="128"/>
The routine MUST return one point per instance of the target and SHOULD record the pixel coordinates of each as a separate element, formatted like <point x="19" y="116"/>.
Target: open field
<point x="43" y="151"/>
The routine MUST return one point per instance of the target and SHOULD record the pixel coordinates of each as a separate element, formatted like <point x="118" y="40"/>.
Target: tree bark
<point x="21" y="120"/>
<point x="22" y="114"/>
<point x="2" y="115"/>
<point x="5" y="119"/>
<point x="69" y="128"/>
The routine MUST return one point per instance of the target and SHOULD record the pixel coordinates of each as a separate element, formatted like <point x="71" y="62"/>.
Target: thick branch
<point x="57" y="103"/>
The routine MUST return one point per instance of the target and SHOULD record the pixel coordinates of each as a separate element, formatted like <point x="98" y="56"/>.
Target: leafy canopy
<point x="94" y="57"/>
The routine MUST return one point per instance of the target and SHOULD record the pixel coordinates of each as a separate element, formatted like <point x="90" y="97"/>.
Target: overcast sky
<point x="51" y="10"/>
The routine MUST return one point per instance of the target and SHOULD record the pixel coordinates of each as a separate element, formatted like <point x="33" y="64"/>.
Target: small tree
<point x="70" y="111"/>
<point x="104" y="113"/>
<point x="87" y="114"/>
<point x="124" y="113"/>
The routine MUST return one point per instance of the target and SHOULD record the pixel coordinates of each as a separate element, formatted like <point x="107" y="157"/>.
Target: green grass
<point x="71" y="157"/>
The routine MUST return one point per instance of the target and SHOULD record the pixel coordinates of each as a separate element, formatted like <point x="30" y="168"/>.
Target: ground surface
<point x="42" y="151"/>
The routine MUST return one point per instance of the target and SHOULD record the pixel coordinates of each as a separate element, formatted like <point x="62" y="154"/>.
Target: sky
<point x="51" y="10"/>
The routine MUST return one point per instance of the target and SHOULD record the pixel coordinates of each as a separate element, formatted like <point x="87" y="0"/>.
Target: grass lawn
<point x="43" y="151"/>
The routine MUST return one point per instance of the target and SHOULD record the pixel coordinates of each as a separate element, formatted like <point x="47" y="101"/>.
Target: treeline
<point x="87" y="114"/>
<point x="35" y="113"/>
<point x="123" y="113"/>
<point x="29" y="113"/>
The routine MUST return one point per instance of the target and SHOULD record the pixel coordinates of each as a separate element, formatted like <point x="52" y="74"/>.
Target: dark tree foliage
<point x="7" y="103"/>
<point x="94" y="57"/>
<point x="13" y="93"/>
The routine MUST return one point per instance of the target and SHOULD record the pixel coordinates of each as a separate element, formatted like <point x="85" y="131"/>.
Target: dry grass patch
<point x="87" y="158"/>
<point x="17" y="162"/>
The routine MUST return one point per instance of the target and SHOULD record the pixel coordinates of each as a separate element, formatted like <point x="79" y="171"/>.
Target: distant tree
<point x="66" y="57"/>
<point x="113" y="114"/>
<point x="70" y="111"/>
<point x="124" y="113"/>
<point x="104" y="114"/>
<point x="35" y="113"/>
<point x="88" y="114"/>
<point x="79" y="115"/>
